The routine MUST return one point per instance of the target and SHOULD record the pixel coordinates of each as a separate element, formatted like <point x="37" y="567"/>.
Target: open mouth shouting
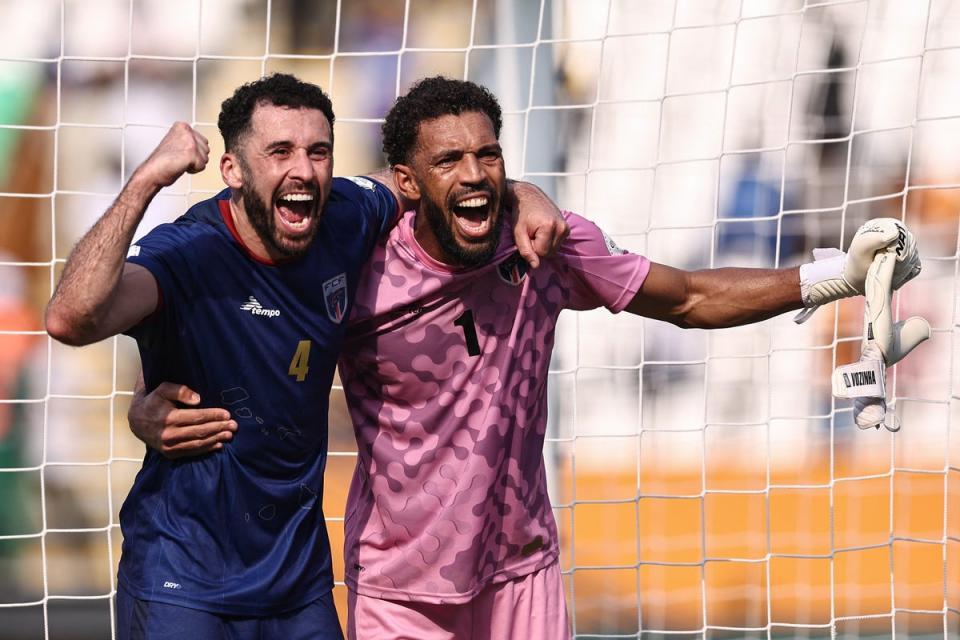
<point x="294" y="211"/>
<point x="473" y="215"/>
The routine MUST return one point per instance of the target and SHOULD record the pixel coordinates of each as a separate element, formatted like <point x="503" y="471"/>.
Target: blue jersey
<point x="241" y="531"/>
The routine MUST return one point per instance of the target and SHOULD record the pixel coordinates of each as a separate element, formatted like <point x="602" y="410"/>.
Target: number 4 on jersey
<point x="301" y="358"/>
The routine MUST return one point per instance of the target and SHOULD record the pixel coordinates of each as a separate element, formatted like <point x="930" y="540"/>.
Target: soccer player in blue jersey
<point x="243" y="299"/>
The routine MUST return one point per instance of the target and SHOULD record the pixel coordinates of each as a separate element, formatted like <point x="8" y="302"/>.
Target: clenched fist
<point x="182" y="150"/>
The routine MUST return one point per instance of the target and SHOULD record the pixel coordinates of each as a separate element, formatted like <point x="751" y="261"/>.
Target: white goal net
<point x="706" y="485"/>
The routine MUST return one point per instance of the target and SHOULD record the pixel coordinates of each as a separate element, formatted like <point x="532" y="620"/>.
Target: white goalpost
<point x="705" y="484"/>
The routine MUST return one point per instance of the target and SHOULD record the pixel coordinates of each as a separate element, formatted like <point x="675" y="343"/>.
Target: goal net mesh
<point x="705" y="484"/>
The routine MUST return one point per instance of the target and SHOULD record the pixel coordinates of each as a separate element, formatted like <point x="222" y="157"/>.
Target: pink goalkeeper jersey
<point x="445" y="373"/>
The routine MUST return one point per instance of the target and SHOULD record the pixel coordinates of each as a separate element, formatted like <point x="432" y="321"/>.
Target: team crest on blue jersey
<point x="335" y="296"/>
<point x="513" y="269"/>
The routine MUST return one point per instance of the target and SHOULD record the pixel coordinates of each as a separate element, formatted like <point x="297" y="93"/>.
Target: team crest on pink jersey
<point x="513" y="269"/>
<point x="335" y="296"/>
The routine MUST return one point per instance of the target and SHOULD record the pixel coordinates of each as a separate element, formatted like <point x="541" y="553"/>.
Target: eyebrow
<point x="276" y="144"/>
<point x="457" y="151"/>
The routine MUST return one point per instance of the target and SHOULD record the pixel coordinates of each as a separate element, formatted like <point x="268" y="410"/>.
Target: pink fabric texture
<point x="531" y="607"/>
<point x="445" y="373"/>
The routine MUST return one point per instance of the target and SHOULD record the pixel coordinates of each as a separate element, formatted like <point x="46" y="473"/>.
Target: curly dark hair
<point x="428" y="99"/>
<point x="279" y="89"/>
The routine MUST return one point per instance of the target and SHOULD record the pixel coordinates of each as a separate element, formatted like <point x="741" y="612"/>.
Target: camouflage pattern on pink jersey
<point x="445" y="373"/>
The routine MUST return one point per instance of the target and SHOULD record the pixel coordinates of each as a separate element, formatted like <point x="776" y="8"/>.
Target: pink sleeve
<point x="596" y="272"/>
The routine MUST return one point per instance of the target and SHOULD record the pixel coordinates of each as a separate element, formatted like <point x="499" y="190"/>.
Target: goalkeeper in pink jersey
<point x="449" y="529"/>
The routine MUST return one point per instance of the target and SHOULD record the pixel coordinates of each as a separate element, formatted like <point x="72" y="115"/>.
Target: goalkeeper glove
<point x="884" y="344"/>
<point x="834" y="274"/>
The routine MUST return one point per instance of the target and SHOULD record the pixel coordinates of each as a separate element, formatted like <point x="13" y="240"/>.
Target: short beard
<point x="472" y="255"/>
<point x="260" y="215"/>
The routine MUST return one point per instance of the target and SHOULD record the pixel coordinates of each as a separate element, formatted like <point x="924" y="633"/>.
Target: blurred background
<point x="706" y="485"/>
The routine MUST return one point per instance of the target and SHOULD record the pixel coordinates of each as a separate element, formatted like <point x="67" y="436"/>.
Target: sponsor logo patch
<point x="255" y="308"/>
<point x="335" y="297"/>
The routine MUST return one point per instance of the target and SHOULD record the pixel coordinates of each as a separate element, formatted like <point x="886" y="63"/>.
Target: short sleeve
<point x="596" y="272"/>
<point x="377" y="202"/>
<point x="159" y="252"/>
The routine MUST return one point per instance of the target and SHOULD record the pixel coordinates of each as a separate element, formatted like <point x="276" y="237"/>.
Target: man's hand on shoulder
<point x="540" y="228"/>
<point x="156" y="419"/>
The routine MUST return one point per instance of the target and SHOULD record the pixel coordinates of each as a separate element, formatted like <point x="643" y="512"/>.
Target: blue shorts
<point x="144" y="620"/>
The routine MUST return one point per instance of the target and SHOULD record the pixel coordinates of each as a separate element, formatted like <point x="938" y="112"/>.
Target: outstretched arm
<point x="729" y="297"/>
<point x="539" y="229"/>
<point x="99" y="294"/>
<point x="716" y="298"/>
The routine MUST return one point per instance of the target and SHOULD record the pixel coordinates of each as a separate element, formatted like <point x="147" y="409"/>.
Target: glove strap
<point x="864" y="379"/>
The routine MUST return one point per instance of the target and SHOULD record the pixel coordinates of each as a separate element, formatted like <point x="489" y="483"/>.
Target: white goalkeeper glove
<point x="834" y="274"/>
<point x="884" y="344"/>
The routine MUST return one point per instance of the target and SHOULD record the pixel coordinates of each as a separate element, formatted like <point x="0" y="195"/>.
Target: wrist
<point x="822" y="281"/>
<point x="140" y="188"/>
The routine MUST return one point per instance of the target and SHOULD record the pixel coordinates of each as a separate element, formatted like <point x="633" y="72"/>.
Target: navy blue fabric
<point x="241" y="531"/>
<point x="143" y="620"/>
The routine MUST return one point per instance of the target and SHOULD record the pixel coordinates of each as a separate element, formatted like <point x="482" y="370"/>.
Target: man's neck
<point x="425" y="237"/>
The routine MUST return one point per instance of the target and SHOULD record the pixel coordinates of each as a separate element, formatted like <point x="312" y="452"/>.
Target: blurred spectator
<point x="15" y="316"/>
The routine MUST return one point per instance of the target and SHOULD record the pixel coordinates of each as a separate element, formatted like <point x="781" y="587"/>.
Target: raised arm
<point x="539" y="228"/>
<point x="99" y="294"/>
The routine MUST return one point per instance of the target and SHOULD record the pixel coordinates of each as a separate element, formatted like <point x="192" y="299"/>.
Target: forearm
<point x="731" y="297"/>
<point x="716" y="298"/>
<point x="539" y="226"/>
<point x="91" y="277"/>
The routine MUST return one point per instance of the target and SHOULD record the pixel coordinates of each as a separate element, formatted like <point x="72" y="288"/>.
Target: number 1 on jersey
<point x="298" y="366"/>
<point x="465" y="322"/>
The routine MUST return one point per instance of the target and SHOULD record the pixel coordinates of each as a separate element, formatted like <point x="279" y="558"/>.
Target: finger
<point x="199" y="164"/>
<point x="869" y="412"/>
<point x="178" y="435"/>
<point x="525" y="248"/>
<point x="878" y="233"/>
<point x="202" y="140"/>
<point x="194" y="447"/>
<point x="908" y="334"/>
<point x="543" y="241"/>
<point x="177" y="393"/>
<point x="562" y="232"/>
<point x="877" y="301"/>
<point x="203" y="147"/>
<point x="195" y="417"/>
<point x="891" y="422"/>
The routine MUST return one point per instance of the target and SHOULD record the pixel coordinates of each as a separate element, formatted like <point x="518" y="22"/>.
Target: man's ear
<point x="406" y="182"/>
<point x="230" y="170"/>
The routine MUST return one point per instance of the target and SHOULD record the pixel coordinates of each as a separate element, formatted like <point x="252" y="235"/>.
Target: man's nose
<point x="470" y="170"/>
<point x="301" y="167"/>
